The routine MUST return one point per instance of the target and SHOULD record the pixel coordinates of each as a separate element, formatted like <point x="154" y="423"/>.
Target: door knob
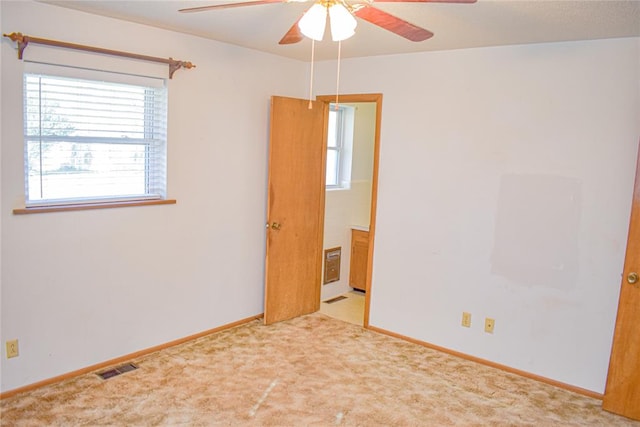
<point x="275" y="226"/>
<point x="632" y="278"/>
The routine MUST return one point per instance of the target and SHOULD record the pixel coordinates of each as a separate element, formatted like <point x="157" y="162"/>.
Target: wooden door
<point x="622" y="394"/>
<point x="295" y="209"/>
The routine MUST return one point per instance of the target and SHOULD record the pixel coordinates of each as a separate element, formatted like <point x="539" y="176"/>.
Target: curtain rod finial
<point x="175" y="65"/>
<point x="14" y="36"/>
<point x="22" y="40"/>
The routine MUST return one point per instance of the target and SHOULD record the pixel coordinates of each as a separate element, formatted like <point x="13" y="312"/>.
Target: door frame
<point x="377" y="99"/>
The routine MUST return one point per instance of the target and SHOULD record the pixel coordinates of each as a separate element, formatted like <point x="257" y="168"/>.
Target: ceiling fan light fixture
<point x="313" y="22"/>
<point x="343" y="23"/>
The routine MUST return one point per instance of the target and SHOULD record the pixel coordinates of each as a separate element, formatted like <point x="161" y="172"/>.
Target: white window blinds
<point x="90" y="141"/>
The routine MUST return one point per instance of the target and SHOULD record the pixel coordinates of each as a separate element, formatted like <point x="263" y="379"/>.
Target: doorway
<point x="350" y="205"/>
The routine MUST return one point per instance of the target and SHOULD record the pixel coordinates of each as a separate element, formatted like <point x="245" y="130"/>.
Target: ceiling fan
<point x="341" y="15"/>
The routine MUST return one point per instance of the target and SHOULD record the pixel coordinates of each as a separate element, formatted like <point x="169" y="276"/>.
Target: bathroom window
<point x="339" y="146"/>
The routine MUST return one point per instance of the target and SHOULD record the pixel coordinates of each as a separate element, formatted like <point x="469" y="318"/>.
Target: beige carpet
<point x="310" y="371"/>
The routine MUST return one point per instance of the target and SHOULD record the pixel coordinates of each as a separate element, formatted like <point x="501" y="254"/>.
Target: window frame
<point x="153" y="194"/>
<point x="344" y="142"/>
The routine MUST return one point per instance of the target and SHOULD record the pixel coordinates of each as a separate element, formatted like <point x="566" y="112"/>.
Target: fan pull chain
<point x="338" y="74"/>
<point x="313" y="48"/>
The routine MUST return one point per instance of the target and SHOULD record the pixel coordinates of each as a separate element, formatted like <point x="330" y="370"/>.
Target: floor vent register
<point x="105" y="375"/>
<point x="336" y="299"/>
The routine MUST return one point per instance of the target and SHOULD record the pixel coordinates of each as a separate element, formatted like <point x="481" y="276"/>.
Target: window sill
<point x="88" y="206"/>
<point x="337" y="188"/>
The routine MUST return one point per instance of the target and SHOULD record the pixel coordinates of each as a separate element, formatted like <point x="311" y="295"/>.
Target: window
<point x="339" y="144"/>
<point x="89" y="141"/>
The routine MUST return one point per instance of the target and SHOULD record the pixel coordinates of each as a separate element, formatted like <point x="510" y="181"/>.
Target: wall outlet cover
<point x="489" y="324"/>
<point x="12" y="349"/>
<point x="466" y="319"/>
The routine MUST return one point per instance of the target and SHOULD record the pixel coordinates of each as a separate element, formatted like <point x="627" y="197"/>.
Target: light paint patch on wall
<point x="536" y="232"/>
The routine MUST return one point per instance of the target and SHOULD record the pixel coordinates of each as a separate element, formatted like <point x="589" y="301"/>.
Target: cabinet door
<point x="359" y="258"/>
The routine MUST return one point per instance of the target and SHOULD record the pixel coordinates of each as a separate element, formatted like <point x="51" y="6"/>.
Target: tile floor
<point x="350" y="309"/>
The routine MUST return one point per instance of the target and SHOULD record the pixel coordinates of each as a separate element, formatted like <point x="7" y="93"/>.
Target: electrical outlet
<point x="12" y="349"/>
<point x="466" y="319"/>
<point x="489" y="324"/>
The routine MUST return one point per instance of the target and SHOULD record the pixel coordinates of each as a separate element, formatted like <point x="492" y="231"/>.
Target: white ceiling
<point x="456" y="26"/>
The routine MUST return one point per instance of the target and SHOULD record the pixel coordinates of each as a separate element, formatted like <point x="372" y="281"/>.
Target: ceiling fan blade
<point x="393" y="23"/>
<point x="293" y="35"/>
<point x="426" y="1"/>
<point x="228" y="5"/>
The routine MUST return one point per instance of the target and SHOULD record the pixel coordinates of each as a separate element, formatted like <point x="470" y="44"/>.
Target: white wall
<point x="362" y="168"/>
<point x="505" y="189"/>
<point x="345" y="208"/>
<point x="79" y="288"/>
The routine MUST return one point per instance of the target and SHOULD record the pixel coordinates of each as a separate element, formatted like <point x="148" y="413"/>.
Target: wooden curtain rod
<point x="24" y="40"/>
